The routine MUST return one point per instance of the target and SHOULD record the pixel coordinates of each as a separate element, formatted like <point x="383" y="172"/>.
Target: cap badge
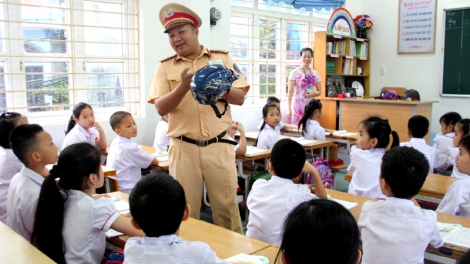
<point x="169" y="12"/>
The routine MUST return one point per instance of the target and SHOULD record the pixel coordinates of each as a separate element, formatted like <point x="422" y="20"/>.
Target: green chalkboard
<point x="456" y="70"/>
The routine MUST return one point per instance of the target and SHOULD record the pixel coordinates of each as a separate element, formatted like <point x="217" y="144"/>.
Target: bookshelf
<point x="330" y="57"/>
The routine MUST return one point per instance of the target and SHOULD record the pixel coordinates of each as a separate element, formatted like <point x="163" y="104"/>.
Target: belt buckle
<point x="201" y="143"/>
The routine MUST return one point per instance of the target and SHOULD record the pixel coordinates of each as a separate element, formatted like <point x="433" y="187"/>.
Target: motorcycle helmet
<point x="411" y="95"/>
<point x="210" y="82"/>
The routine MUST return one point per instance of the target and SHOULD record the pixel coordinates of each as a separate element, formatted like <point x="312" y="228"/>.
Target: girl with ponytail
<point x="366" y="157"/>
<point x="271" y="128"/>
<point x="83" y="128"/>
<point x="70" y="222"/>
<point x="311" y="128"/>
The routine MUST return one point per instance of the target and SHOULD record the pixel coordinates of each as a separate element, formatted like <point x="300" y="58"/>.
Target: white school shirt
<point x="365" y="166"/>
<point x="269" y="136"/>
<point x="23" y="196"/>
<point x="397" y="231"/>
<point x="86" y="221"/>
<point x="436" y="160"/>
<point x="161" y="141"/>
<point x="78" y="135"/>
<point x="314" y="130"/>
<point x="127" y="158"/>
<point x="168" y="249"/>
<point x="9" y="166"/>
<point x="443" y="142"/>
<point x="457" y="199"/>
<point x="269" y="203"/>
<point x="456" y="174"/>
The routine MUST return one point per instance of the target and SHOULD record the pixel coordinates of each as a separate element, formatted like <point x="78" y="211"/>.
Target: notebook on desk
<point x="254" y="151"/>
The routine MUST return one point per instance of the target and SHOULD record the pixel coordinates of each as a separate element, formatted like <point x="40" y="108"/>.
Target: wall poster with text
<point x="417" y="26"/>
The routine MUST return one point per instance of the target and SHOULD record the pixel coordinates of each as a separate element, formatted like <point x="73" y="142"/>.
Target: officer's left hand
<point x="186" y="76"/>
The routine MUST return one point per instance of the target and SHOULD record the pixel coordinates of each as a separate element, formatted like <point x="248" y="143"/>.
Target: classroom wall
<point x="414" y="71"/>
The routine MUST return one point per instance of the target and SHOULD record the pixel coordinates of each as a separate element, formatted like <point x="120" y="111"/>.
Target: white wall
<point x="419" y="72"/>
<point x="220" y="33"/>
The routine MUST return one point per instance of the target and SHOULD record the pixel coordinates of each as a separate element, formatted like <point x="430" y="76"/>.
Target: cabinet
<point x="347" y="54"/>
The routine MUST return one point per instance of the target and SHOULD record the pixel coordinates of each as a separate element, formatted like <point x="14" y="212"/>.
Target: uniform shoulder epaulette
<point x="171" y="57"/>
<point x="220" y="51"/>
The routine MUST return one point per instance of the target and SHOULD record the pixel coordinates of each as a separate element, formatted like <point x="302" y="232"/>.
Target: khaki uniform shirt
<point x="191" y="119"/>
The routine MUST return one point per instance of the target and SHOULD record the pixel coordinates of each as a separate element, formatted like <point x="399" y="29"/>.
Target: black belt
<point x="203" y="143"/>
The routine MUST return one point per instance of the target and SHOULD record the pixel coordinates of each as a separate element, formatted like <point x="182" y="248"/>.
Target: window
<point x="266" y="45"/>
<point x="56" y="53"/>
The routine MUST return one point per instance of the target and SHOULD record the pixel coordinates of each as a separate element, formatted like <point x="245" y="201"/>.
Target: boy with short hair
<point x="35" y="149"/>
<point x="270" y="201"/>
<point x="161" y="243"/>
<point x="124" y="155"/>
<point x="397" y="230"/>
<point x="418" y="128"/>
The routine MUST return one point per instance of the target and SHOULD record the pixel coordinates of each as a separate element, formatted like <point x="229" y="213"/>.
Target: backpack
<point x="325" y="173"/>
<point x="114" y="257"/>
<point x="257" y="174"/>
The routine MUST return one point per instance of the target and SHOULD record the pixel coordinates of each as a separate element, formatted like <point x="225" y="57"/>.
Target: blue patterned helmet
<point x="210" y="82"/>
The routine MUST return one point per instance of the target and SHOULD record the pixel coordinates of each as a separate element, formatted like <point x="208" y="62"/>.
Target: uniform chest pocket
<point x="174" y="80"/>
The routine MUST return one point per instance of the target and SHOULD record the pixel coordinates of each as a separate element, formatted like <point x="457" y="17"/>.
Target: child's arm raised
<point x="155" y="161"/>
<point x="319" y="188"/>
<point x="101" y="143"/>
<point x="123" y="224"/>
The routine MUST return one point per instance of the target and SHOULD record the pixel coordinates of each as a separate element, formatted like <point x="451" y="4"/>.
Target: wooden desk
<point x="435" y="185"/>
<point x="457" y="251"/>
<point x="15" y="249"/>
<point x="269" y="252"/>
<point x="224" y="242"/>
<point x="353" y="110"/>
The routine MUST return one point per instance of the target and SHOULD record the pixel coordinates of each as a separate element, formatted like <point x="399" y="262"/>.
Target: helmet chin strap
<point x="216" y="109"/>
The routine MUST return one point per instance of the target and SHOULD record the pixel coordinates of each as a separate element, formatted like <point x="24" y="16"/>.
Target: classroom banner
<point x="417" y="26"/>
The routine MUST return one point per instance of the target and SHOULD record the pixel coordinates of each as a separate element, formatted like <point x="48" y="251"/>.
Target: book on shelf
<point x="348" y="66"/>
<point x="362" y="50"/>
<point x="352" y="48"/>
<point x="329" y="47"/>
<point x="338" y="47"/>
<point x="330" y="66"/>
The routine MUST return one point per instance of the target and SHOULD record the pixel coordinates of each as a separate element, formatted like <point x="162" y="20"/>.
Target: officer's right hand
<point x="186" y="76"/>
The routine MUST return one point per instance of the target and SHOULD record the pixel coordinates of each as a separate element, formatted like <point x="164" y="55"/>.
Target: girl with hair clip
<point x="304" y="85"/>
<point x="366" y="157"/>
<point x="83" y="128"/>
<point x="311" y="128"/>
<point x="9" y="163"/>
<point x="271" y="127"/>
<point x="70" y="222"/>
<point x="461" y="129"/>
<point x="324" y="226"/>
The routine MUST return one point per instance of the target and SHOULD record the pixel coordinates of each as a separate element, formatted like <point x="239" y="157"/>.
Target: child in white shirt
<point x="461" y="129"/>
<point x="9" y="163"/>
<point x="366" y="156"/>
<point x="311" y="128"/>
<point x="323" y="228"/>
<point x="270" y="201"/>
<point x="34" y="148"/>
<point x="71" y="222"/>
<point x="162" y="141"/>
<point x="443" y="141"/>
<point x="124" y="155"/>
<point x="457" y="198"/>
<point x="397" y="230"/>
<point x="418" y="128"/>
<point x="161" y="243"/>
<point x="83" y="128"/>
<point x="271" y="128"/>
<point x="276" y="102"/>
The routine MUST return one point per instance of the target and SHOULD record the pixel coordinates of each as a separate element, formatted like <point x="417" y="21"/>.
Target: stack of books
<point x="330" y="66"/>
<point x="340" y="47"/>
<point x="352" y="48"/>
<point x="348" y="66"/>
<point x="362" y="50"/>
<point x="329" y="47"/>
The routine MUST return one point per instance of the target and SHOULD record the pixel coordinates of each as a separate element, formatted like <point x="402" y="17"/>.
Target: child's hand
<point x="239" y="126"/>
<point x="327" y="185"/>
<point x="98" y="126"/>
<point x="311" y="187"/>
